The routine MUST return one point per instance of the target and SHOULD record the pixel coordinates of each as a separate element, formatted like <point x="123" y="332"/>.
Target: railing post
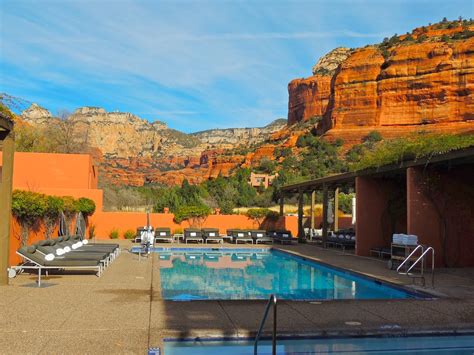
<point x="274" y="340"/>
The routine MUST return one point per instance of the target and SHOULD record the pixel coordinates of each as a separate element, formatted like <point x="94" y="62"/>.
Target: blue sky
<point x="192" y="64"/>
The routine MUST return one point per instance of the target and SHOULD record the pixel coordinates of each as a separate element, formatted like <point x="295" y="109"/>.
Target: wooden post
<point x="313" y="202"/>
<point x="336" y="209"/>
<point x="282" y="205"/>
<point x="325" y="214"/>
<point x="8" y="148"/>
<point x="301" y="236"/>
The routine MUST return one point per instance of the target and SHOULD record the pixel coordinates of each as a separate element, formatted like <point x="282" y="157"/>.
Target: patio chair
<point x="241" y="235"/>
<point x="260" y="236"/>
<point x="163" y="234"/>
<point x="193" y="235"/>
<point x="282" y="236"/>
<point x="211" y="235"/>
<point x="38" y="261"/>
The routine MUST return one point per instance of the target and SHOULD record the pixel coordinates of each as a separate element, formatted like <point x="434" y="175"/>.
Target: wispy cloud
<point x="192" y="64"/>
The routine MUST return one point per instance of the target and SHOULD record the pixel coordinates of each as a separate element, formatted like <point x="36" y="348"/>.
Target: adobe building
<point x="432" y="198"/>
<point x="265" y="180"/>
<point x="57" y="174"/>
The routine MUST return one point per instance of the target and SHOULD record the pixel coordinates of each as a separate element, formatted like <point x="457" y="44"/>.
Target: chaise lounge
<point x="163" y="234"/>
<point x="212" y="235"/>
<point x="193" y="235"/>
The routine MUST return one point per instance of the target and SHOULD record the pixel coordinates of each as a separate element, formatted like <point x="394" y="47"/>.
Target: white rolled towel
<point x="67" y="249"/>
<point x="74" y="246"/>
<point x="85" y="242"/>
<point x="49" y="257"/>
<point x="60" y="251"/>
<point x="80" y="244"/>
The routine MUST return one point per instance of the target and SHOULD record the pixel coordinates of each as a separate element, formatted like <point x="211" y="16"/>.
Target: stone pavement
<point x="123" y="312"/>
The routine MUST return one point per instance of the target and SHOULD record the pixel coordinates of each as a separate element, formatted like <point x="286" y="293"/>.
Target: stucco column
<point x="313" y="202"/>
<point x="325" y="214"/>
<point x="301" y="235"/>
<point x="8" y="148"/>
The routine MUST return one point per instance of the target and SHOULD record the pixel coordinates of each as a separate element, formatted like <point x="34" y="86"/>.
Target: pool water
<point x="463" y="344"/>
<point x="243" y="274"/>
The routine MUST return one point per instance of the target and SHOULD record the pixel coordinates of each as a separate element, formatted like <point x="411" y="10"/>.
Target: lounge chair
<point x="82" y="246"/>
<point x="46" y="247"/>
<point x="260" y="236"/>
<point x="163" y="234"/>
<point x="240" y="235"/>
<point x="193" y="235"/>
<point x="211" y="235"/>
<point x="38" y="261"/>
<point x="282" y="236"/>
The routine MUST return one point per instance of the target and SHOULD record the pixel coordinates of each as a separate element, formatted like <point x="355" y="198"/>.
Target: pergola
<point x="330" y="184"/>
<point x="7" y="146"/>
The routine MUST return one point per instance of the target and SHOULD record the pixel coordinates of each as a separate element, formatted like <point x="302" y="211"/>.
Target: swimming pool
<point x="463" y="344"/>
<point x="245" y="274"/>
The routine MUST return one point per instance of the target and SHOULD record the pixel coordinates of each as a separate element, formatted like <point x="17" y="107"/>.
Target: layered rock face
<point x="134" y="151"/>
<point x="412" y="84"/>
<point x="232" y="137"/>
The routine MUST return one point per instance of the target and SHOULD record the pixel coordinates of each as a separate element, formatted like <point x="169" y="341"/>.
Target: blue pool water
<point x="375" y="345"/>
<point x="243" y="274"/>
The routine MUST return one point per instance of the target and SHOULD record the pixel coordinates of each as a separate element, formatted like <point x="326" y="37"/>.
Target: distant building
<point x="264" y="180"/>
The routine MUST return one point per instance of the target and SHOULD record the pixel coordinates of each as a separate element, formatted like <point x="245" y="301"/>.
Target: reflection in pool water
<point x="227" y="274"/>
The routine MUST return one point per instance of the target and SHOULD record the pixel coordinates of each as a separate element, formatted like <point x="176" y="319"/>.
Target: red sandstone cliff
<point x="407" y="84"/>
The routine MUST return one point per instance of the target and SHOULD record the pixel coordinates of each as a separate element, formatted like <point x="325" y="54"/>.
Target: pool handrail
<point x="271" y="302"/>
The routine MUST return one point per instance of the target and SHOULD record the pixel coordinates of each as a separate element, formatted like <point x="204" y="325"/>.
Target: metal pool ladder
<point x="421" y="258"/>
<point x="271" y="302"/>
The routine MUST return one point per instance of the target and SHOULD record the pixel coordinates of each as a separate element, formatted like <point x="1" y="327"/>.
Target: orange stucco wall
<point x="34" y="171"/>
<point x="107" y="221"/>
<point x="374" y="227"/>
<point x="441" y="212"/>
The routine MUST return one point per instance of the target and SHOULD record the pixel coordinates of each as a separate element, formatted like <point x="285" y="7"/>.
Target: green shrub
<point x="412" y="147"/>
<point x="345" y="202"/>
<point x="28" y="208"/>
<point x="194" y="214"/>
<point x="114" y="234"/>
<point x="129" y="234"/>
<point x="259" y="215"/>
<point x="373" y="137"/>
<point x="86" y="206"/>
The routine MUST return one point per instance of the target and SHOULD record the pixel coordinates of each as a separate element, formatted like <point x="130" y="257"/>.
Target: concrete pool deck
<point x="123" y="312"/>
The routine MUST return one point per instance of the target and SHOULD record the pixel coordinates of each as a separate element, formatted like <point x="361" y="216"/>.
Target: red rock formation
<point x="418" y="84"/>
<point x="308" y="98"/>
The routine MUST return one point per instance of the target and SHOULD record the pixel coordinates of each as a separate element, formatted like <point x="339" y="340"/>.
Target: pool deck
<point x="123" y="312"/>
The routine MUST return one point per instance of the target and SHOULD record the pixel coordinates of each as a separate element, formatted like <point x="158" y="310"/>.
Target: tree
<point x="86" y="206"/>
<point x="28" y="209"/>
<point x="258" y="215"/>
<point x="196" y="215"/>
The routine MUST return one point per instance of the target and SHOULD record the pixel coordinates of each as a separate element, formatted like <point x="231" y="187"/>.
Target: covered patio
<point x="430" y="197"/>
<point x="7" y="147"/>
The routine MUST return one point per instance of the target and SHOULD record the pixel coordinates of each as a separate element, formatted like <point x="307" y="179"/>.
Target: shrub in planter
<point x="129" y="234"/>
<point x="92" y="231"/>
<point x="114" y="234"/>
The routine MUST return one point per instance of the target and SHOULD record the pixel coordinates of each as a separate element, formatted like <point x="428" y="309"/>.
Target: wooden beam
<point x="313" y="203"/>
<point x="325" y="214"/>
<point x="8" y="148"/>
<point x="336" y="209"/>
<point x="282" y="205"/>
